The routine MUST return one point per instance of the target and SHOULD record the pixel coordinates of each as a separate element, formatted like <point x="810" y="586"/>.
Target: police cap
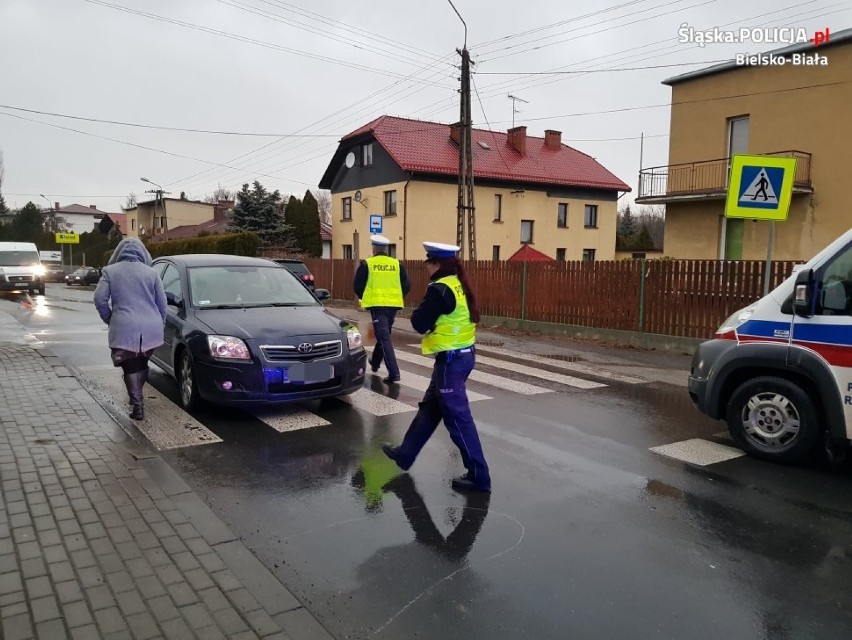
<point x="440" y="250"/>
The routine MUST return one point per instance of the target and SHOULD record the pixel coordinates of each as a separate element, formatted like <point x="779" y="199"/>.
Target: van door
<point x="828" y="333"/>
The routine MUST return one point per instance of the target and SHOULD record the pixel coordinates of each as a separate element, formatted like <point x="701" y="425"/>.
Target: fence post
<point x="642" y="297"/>
<point x="524" y="292"/>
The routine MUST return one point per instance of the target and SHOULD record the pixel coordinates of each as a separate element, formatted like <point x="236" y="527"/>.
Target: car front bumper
<point x="20" y="285"/>
<point x="260" y="382"/>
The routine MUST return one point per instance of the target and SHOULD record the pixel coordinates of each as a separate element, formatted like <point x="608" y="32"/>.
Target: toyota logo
<point x="305" y="347"/>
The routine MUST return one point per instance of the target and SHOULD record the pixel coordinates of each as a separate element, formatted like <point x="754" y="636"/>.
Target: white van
<point x="20" y="267"/>
<point x="779" y="372"/>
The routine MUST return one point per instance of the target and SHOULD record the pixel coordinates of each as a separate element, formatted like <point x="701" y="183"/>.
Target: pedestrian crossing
<point x="168" y="427"/>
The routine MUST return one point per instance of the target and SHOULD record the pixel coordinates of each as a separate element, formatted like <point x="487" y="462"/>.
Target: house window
<point x="498" y="208"/>
<point x="562" y="215"/>
<point x="367" y="155"/>
<point x="390" y="203"/>
<point x="133" y="224"/>
<point x="526" y="231"/>
<point x="495" y="253"/>
<point x="560" y="255"/>
<point x="347" y="208"/>
<point x="591" y="218"/>
<point x="392" y="250"/>
<point x="347" y="252"/>
<point x="588" y="255"/>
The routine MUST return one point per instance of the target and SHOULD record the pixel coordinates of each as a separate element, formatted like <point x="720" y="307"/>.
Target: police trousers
<point x="383" y="318"/>
<point x="446" y="399"/>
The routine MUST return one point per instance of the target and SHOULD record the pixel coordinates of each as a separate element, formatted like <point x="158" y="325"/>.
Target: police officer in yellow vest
<point x="381" y="283"/>
<point x="447" y="319"/>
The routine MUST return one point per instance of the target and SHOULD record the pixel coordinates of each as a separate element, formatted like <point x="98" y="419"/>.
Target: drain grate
<point x="489" y="343"/>
<point x="563" y="358"/>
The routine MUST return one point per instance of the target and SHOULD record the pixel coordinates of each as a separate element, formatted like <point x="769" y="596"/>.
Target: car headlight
<point x="38" y="270"/>
<point x="737" y="319"/>
<point x="353" y="336"/>
<point x="228" y="347"/>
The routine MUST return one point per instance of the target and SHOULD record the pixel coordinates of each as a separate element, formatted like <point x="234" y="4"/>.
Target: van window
<point x="836" y="296"/>
<point x="13" y="258"/>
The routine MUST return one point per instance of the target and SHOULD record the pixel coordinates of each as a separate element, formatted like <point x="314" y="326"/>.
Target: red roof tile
<point x="425" y="147"/>
<point x="527" y="254"/>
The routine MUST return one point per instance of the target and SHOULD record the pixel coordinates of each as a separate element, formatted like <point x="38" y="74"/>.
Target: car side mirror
<point x="172" y="300"/>
<point x="803" y="294"/>
<point x="322" y="294"/>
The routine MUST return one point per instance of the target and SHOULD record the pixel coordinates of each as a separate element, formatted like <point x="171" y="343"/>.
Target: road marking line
<point x="284" y="419"/>
<point x="166" y="425"/>
<point x="698" y="451"/>
<point x="480" y="376"/>
<point x="550" y="376"/>
<point x="376" y="403"/>
<point x="421" y="383"/>
<point x="568" y="366"/>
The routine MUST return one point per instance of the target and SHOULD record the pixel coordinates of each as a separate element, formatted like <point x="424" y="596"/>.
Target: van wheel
<point x="187" y="386"/>
<point x="773" y="419"/>
<point x="41" y="289"/>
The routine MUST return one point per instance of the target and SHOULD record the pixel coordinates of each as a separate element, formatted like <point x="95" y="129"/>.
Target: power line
<point x="607" y="70"/>
<point x="167" y="128"/>
<point x="247" y="39"/>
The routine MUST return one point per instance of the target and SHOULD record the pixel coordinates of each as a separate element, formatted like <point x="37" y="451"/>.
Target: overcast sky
<point x="324" y="68"/>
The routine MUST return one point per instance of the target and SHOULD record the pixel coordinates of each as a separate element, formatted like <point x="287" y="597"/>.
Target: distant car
<point x="83" y="275"/>
<point x="54" y="273"/>
<point x="244" y="331"/>
<point x="298" y="269"/>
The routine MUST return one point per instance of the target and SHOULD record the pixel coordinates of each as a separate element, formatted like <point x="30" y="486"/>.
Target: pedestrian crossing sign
<point x="760" y="187"/>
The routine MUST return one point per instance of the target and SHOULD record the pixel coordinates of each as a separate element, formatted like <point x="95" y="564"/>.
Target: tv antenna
<point x="515" y="109"/>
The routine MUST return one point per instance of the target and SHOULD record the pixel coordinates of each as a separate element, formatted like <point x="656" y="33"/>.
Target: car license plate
<point x="309" y="372"/>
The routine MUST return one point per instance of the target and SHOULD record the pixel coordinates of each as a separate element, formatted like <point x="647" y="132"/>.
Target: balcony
<point x="707" y="179"/>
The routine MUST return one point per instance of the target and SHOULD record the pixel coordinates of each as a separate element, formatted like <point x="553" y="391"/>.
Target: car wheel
<point x="41" y="289"/>
<point x="773" y="419"/>
<point x="187" y="386"/>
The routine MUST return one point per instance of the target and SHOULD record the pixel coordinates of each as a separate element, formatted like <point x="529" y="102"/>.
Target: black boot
<point x="135" y="388"/>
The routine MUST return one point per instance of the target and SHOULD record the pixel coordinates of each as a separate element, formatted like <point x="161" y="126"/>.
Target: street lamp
<point x="158" y="198"/>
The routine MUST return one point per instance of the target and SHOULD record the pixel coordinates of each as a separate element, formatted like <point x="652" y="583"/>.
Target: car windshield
<point x="80" y="272"/>
<point x="18" y="258"/>
<point x="246" y="286"/>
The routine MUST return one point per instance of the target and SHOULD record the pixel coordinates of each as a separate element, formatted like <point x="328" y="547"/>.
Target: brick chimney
<point x="517" y="139"/>
<point x="221" y="208"/>
<point x="93" y="206"/>
<point x="455" y="132"/>
<point x="553" y="139"/>
<point x="56" y="205"/>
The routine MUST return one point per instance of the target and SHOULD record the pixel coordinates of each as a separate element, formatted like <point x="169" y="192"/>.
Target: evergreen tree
<point x="293" y="216"/>
<point x="644" y="241"/>
<point x="3" y="208"/>
<point x="308" y="231"/>
<point x="28" y="225"/>
<point x="259" y="211"/>
<point x="627" y="223"/>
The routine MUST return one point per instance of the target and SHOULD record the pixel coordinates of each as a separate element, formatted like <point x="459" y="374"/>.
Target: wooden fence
<point x="688" y="298"/>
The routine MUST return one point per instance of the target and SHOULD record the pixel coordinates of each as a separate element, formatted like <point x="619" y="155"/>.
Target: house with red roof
<point x="528" y="190"/>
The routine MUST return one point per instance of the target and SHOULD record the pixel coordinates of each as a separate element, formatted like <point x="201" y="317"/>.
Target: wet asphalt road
<point x="588" y="533"/>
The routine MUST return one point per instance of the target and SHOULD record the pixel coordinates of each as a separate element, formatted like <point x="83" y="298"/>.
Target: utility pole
<point x="465" y="191"/>
<point x="158" y="199"/>
<point x="515" y="110"/>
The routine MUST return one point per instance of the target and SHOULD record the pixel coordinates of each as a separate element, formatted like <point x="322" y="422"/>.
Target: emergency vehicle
<point x="779" y="372"/>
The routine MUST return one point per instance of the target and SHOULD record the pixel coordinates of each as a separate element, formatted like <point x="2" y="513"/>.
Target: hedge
<point x="235" y="244"/>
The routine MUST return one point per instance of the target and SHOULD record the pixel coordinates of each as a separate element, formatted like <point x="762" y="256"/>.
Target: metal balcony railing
<point x="708" y="177"/>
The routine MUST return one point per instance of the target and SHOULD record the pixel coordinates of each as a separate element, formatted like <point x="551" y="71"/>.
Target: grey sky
<point x="81" y="58"/>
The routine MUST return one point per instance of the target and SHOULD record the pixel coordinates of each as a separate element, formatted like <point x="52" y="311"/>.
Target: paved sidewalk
<point x="101" y="539"/>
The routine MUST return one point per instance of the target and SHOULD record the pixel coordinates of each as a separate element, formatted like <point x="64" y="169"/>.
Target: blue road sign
<point x="375" y="223"/>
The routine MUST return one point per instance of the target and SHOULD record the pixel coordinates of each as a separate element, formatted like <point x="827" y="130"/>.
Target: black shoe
<point x="390" y="380"/>
<point x="393" y="453"/>
<point x="138" y="413"/>
<point x="374" y="368"/>
<point x="463" y="483"/>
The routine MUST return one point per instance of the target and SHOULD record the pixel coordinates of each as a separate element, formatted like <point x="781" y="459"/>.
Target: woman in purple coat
<point x="131" y="300"/>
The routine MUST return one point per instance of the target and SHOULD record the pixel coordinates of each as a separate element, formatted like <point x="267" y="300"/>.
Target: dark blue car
<point x="245" y="330"/>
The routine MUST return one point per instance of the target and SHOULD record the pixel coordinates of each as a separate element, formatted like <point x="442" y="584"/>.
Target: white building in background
<point x="79" y="219"/>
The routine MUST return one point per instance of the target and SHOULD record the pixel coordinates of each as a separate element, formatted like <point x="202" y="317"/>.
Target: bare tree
<point x="323" y="197"/>
<point x="219" y="195"/>
<point x="653" y="217"/>
<point x="130" y="202"/>
<point x="3" y="208"/>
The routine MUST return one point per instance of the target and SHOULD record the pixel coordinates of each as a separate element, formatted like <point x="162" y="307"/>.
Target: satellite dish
<point x="358" y="196"/>
<point x="350" y="160"/>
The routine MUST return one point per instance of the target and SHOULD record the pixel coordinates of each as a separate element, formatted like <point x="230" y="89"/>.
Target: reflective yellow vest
<point x="454" y="330"/>
<point x="383" y="286"/>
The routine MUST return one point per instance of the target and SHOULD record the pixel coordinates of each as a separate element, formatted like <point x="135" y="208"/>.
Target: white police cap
<point x="380" y="241"/>
<point x="440" y="250"/>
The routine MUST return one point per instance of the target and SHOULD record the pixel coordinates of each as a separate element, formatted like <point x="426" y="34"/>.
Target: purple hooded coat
<point x="131" y="300"/>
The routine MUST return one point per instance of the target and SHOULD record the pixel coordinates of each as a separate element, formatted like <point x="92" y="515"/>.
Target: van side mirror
<point x="803" y="294"/>
<point x="322" y="294"/>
